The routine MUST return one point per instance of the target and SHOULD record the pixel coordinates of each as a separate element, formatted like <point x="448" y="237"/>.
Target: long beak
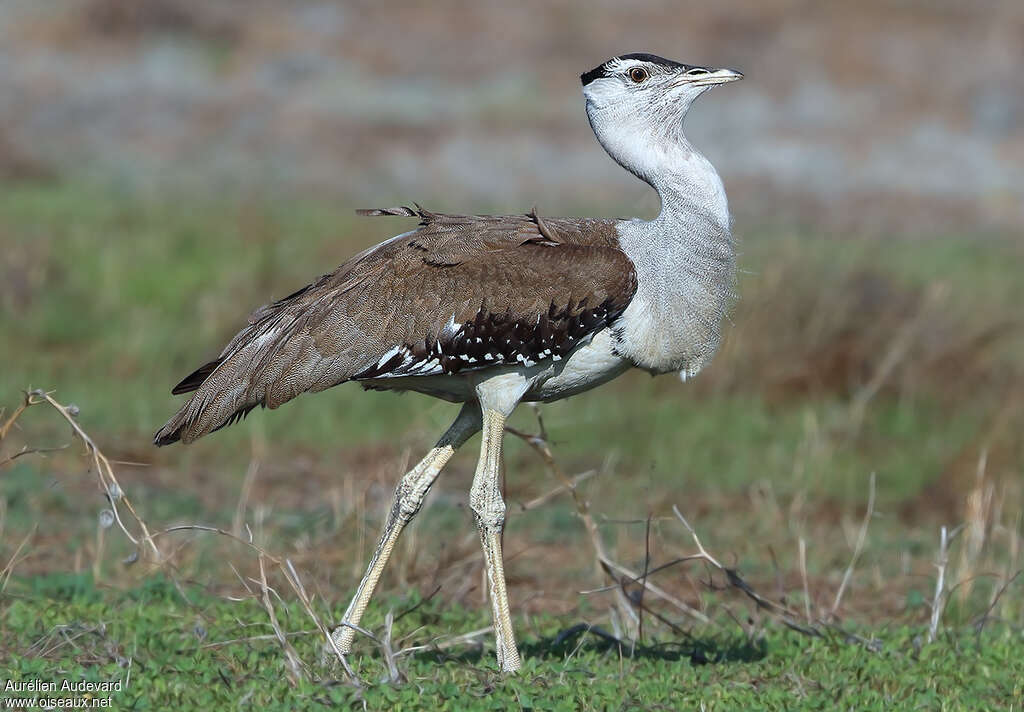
<point x="718" y="76"/>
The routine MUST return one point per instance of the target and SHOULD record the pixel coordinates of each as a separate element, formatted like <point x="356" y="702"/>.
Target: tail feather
<point x="269" y="362"/>
<point x="223" y="398"/>
<point x="176" y="427"/>
<point x="171" y="432"/>
<point x="195" y="379"/>
<point x="224" y="391"/>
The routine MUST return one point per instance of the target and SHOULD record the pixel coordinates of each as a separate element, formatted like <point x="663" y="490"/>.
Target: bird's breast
<point x="685" y="268"/>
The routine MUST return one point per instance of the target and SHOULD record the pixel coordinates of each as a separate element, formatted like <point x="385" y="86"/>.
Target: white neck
<point x="661" y="156"/>
<point x="684" y="260"/>
<point x="689" y="186"/>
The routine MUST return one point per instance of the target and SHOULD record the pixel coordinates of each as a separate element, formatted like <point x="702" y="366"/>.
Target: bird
<point x="489" y="311"/>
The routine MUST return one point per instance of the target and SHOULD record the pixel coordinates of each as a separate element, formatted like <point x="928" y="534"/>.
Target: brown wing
<point x="459" y="293"/>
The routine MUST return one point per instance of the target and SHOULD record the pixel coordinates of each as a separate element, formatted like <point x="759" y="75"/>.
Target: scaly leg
<point x="408" y="497"/>
<point x="487" y="504"/>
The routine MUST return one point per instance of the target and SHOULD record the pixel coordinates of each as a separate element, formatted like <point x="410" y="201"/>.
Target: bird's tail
<point x="269" y="362"/>
<point x="221" y="397"/>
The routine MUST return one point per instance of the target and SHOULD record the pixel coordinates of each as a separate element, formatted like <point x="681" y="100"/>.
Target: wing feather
<point x="459" y="293"/>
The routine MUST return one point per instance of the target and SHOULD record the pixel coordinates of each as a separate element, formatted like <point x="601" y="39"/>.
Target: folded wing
<point x="459" y="293"/>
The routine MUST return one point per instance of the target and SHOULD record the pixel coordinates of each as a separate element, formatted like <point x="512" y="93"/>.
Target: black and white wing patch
<point x="502" y="339"/>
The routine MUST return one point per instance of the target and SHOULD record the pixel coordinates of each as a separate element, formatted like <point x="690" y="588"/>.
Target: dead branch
<point x="26" y="450"/>
<point x="803" y="577"/>
<point x="858" y="547"/>
<point x="900" y="345"/>
<point x="251" y="471"/>
<point x="980" y="622"/>
<point x="551" y="494"/>
<point x="941" y="561"/>
<point x="469" y="637"/>
<point x="292" y="577"/>
<point x="13" y="418"/>
<point x="295" y="665"/>
<point x="787" y="616"/>
<point x="13" y="561"/>
<point x="579" y="628"/>
<point x="104" y="472"/>
<point x="615" y="571"/>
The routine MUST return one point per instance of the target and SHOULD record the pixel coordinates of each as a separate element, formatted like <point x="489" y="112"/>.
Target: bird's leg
<point x="489" y="508"/>
<point x="408" y="497"/>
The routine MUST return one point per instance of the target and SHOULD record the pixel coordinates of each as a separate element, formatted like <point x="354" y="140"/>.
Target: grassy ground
<point x="217" y="654"/>
<point x="848" y="355"/>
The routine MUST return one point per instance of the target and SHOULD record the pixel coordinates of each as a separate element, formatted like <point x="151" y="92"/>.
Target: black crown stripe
<point x="601" y="70"/>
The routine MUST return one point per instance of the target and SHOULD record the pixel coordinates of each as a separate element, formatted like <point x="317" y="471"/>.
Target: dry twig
<point x="803" y="577"/>
<point x="292" y="577"/>
<point x="941" y="561"/>
<point x="618" y="573"/>
<point x="862" y="536"/>
<point x="13" y="561"/>
<point x="294" y="663"/>
<point x="784" y="614"/>
<point x="104" y="472"/>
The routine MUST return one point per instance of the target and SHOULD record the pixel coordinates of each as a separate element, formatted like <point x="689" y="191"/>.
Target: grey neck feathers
<point x="685" y="265"/>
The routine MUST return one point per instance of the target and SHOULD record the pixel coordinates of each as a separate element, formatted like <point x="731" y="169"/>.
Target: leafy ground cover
<point x="211" y="653"/>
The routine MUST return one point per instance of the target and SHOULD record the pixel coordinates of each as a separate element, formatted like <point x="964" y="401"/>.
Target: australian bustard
<point x="490" y="311"/>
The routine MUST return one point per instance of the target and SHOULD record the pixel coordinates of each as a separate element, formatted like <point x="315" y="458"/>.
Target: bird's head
<point x="636" y="104"/>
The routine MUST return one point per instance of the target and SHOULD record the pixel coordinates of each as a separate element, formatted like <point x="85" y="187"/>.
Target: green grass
<point x="110" y="298"/>
<point x="168" y="652"/>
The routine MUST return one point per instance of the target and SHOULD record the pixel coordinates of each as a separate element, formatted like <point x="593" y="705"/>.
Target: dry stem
<point x="862" y="536"/>
<point x="787" y="616"/>
<point x="104" y="472"/>
<point x="539" y="444"/>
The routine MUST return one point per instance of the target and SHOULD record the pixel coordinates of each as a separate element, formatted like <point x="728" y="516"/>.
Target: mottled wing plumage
<point x="484" y="328"/>
<point x="460" y="293"/>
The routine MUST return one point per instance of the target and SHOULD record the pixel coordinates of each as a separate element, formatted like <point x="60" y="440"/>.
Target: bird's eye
<point x="697" y="71"/>
<point x="638" y="75"/>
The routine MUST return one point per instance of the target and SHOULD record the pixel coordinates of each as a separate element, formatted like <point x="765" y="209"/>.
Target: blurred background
<point x="168" y="165"/>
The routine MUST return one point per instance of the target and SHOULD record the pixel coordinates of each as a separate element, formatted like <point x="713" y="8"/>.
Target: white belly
<point x="590" y="365"/>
